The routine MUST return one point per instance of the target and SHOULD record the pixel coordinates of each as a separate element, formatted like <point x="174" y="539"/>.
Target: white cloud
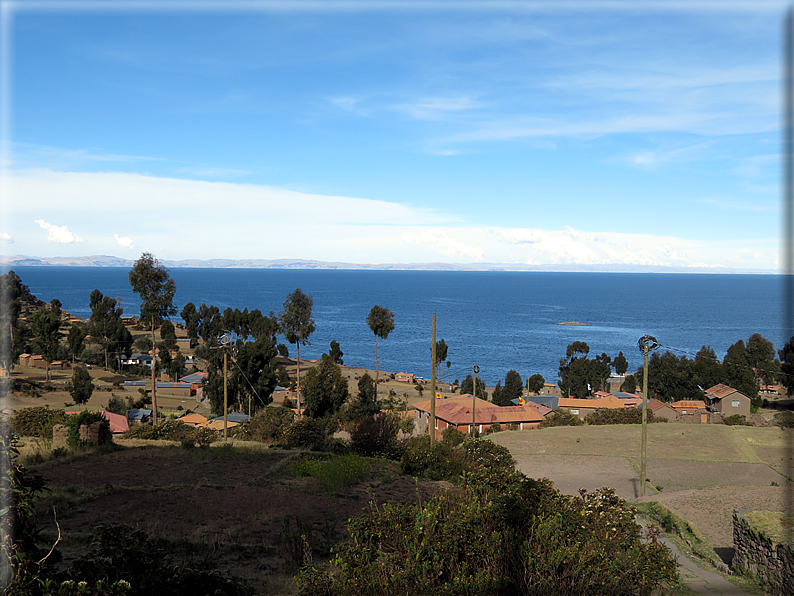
<point x="447" y="246"/>
<point x="124" y="241"/>
<point x="6" y="238"/>
<point x="58" y="234"/>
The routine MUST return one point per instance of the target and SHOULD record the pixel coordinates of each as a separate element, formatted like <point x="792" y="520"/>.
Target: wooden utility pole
<point x="432" y="424"/>
<point x="646" y="343"/>
<point x="225" y="395"/>
<point x="644" y="416"/>
<point x="476" y="369"/>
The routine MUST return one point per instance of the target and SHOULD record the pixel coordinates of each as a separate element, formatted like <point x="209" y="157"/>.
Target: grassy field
<point x="700" y="472"/>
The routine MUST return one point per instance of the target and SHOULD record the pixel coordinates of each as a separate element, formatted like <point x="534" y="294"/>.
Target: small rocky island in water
<point x="574" y="324"/>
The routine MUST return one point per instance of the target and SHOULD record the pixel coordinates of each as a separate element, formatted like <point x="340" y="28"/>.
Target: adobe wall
<point x="766" y="557"/>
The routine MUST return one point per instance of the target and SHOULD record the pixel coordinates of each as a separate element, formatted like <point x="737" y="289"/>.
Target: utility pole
<point x="225" y="393"/>
<point x="432" y="425"/>
<point x="476" y="369"/>
<point x="645" y="347"/>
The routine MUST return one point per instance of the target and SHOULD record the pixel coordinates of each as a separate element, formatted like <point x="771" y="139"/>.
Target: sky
<point x="534" y="133"/>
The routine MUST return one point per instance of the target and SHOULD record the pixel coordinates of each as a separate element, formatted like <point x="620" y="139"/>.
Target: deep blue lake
<point x="498" y="320"/>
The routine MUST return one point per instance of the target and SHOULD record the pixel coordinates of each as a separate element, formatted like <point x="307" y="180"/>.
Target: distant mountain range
<point x="109" y="261"/>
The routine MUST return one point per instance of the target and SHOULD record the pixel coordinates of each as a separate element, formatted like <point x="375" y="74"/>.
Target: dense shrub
<point x="785" y="419"/>
<point x="448" y="459"/>
<point x="36" y="422"/>
<point x="122" y="554"/>
<point x="735" y="420"/>
<point x="267" y="426"/>
<point x="305" y="432"/>
<point x="625" y="416"/>
<point x="561" y="418"/>
<point x="481" y="453"/>
<point x="168" y="430"/>
<point x="333" y="472"/>
<point x="438" y="461"/>
<point x="452" y="436"/>
<point x="503" y="534"/>
<point x="377" y="437"/>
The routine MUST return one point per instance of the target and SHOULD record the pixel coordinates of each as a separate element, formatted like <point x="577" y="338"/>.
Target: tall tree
<point x="325" y="389"/>
<point x="81" y="386"/>
<point x="12" y="292"/>
<point x="75" y="340"/>
<point x="46" y="327"/>
<point x="297" y="325"/>
<point x="620" y="364"/>
<point x="535" y="383"/>
<point x="761" y="358"/>
<point x="787" y="366"/>
<point x="336" y="352"/>
<point x="381" y="321"/>
<point x="106" y="326"/>
<point x="152" y="282"/>
<point x="738" y="371"/>
<point x="514" y="386"/>
<point x="707" y="368"/>
<point x="441" y="356"/>
<point x="467" y="386"/>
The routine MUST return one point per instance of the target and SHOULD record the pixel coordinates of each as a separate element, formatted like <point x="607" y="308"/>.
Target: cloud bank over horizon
<point x="187" y="219"/>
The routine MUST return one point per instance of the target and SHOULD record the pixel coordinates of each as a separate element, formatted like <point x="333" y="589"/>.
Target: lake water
<point x="498" y="320"/>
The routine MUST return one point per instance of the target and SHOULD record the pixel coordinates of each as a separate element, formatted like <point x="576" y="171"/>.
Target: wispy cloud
<point x="437" y="108"/>
<point x="4" y="237"/>
<point x="58" y="234"/>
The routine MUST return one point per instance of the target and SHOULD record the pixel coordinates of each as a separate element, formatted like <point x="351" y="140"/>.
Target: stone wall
<point x="766" y="557"/>
<point x="97" y="433"/>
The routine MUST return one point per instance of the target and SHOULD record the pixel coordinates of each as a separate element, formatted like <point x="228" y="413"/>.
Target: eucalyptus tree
<point x="441" y="355"/>
<point x="46" y="327"/>
<point x="297" y="325"/>
<point x="106" y="326"/>
<point x="152" y="282"/>
<point x="381" y="322"/>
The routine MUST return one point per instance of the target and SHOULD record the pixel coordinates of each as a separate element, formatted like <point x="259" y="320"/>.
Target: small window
<point x="575" y="412"/>
<point x="735" y="403"/>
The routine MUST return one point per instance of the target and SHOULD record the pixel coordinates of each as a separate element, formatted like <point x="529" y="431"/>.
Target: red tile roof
<point x="719" y="391"/>
<point x="457" y="410"/>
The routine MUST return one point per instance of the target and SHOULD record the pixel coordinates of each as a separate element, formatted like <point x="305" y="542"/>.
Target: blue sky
<point x="597" y="133"/>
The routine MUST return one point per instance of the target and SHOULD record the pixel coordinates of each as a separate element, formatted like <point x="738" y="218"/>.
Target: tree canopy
<point x="324" y="389"/>
<point x="106" y="327"/>
<point x="46" y="327"/>
<point x="381" y="322"/>
<point x="297" y="325"/>
<point x="151" y="281"/>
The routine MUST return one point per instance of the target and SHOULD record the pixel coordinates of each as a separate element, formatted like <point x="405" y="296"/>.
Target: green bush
<point x="167" y="430"/>
<point x="377" y="437"/>
<point x="36" y="422"/>
<point x="438" y="461"/>
<point x="304" y="432"/>
<point x="268" y="426"/>
<point x="502" y="534"/>
<point x="625" y="416"/>
<point x="560" y="418"/>
<point x="735" y="420"/>
<point x="785" y="419"/>
<point x="452" y="436"/>
<point x="482" y="453"/>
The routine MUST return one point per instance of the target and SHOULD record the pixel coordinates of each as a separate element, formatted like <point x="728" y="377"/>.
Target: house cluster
<point x="191" y="385"/>
<point x="461" y="412"/>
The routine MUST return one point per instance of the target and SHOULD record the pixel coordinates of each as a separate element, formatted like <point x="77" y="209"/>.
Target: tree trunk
<point x="298" y="386"/>
<point x="377" y="369"/>
<point x="154" y="378"/>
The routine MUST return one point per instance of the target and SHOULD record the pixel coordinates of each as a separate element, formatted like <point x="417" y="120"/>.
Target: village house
<point x="583" y="407"/>
<point x="456" y="412"/>
<point x="691" y="411"/>
<point x="727" y="401"/>
<point x="404" y="377"/>
<point x="661" y="410"/>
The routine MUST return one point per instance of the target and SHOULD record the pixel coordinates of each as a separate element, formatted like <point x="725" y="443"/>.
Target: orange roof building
<point x="457" y="413"/>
